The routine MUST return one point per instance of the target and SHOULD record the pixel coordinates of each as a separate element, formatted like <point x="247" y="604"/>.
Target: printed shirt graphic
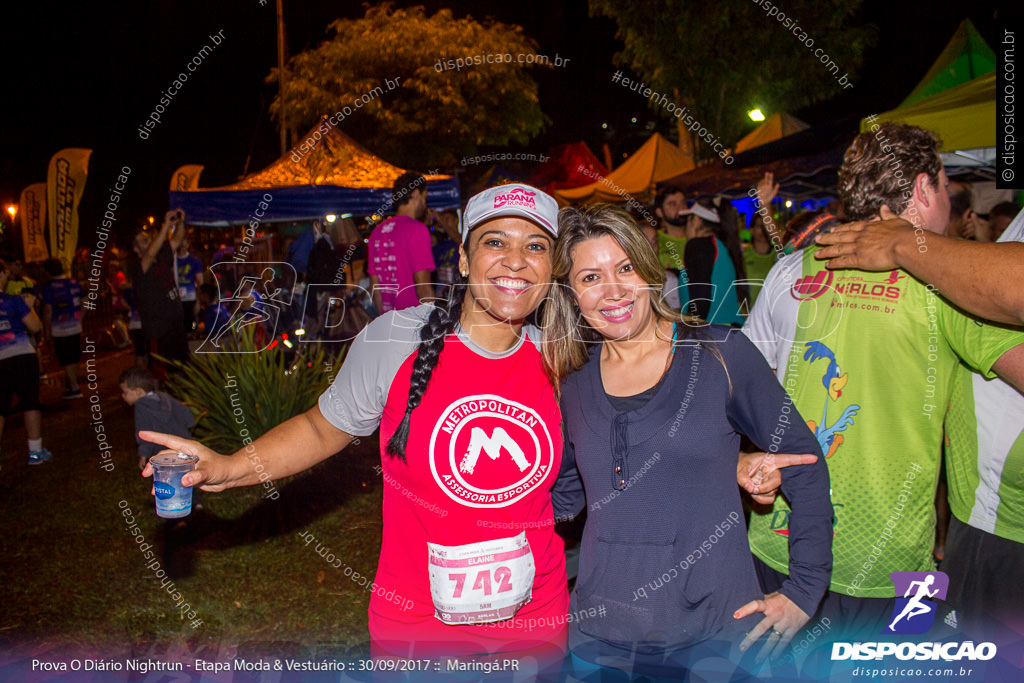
<point x="65" y="296"/>
<point x="188" y="267"/>
<point x="484" y="451"/>
<point x="985" y="457"/>
<point x="869" y="359"/>
<point x="14" y="339"/>
<point x="399" y="247"/>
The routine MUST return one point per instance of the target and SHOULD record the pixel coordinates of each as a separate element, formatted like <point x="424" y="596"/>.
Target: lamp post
<point x="280" y="76"/>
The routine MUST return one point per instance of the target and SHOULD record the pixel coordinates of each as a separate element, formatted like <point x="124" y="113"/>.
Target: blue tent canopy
<point x="310" y="202"/>
<point x="327" y="172"/>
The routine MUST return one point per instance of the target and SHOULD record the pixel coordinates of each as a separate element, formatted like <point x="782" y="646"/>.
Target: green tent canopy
<point x="964" y="116"/>
<point x="966" y="57"/>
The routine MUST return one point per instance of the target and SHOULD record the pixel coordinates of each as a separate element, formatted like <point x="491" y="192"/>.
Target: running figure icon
<point x="915" y="607"/>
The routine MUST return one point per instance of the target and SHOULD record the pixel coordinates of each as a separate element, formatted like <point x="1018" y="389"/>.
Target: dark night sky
<point x="88" y="74"/>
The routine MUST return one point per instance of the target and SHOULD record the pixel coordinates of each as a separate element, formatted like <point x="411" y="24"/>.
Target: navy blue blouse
<point x="665" y="549"/>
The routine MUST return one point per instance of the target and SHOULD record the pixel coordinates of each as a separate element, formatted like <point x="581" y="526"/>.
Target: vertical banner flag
<point x="186" y="178"/>
<point x="33" y="222"/>
<point x="65" y="182"/>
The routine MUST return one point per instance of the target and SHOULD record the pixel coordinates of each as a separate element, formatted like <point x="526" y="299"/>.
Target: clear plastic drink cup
<point x="172" y="499"/>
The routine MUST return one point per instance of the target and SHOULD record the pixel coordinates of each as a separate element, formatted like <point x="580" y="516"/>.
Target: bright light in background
<point x="634" y="119"/>
<point x="330" y="218"/>
<point x="789" y="203"/>
<point x="12" y="209"/>
<point x="604" y="126"/>
<point x="755" y="115"/>
<point x="150" y="219"/>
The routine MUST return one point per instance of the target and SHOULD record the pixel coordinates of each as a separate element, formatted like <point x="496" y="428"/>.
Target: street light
<point x="13" y="210"/>
<point x="755" y="115"/>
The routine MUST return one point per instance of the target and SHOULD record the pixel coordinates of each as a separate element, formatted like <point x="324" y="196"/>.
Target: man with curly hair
<point x="873" y="356"/>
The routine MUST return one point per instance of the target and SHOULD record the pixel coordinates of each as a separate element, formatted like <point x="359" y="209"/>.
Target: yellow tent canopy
<point x="655" y="161"/>
<point x="775" y="127"/>
<point x="964" y="116"/>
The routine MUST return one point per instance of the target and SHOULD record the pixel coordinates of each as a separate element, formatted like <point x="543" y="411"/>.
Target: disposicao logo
<point x="517" y="197"/>
<point x="914" y="614"/>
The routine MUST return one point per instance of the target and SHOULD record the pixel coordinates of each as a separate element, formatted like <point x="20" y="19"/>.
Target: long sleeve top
<point x="664" y="548"/>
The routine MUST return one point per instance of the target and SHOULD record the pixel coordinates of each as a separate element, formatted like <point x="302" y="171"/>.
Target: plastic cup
<point x="172" y="499"/>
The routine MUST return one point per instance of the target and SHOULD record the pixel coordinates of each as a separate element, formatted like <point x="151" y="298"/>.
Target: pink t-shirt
<point x="470" y="562"/>
<point x="398" y="248"/>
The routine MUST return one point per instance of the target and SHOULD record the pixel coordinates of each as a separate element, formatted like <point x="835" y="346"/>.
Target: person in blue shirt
<point x="62" y="322"/>
<point x="445" y="225"/>
<point x="215" y="314"/>
<point x="654" y="404"/>
<point x="190" y="275"/>
<point x="19" y="367"/>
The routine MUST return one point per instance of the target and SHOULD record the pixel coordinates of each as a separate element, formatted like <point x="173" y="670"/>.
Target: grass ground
<point x="73" y="581"/>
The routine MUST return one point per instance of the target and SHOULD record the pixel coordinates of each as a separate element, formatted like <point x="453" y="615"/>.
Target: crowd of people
<point x="754" y="421"/>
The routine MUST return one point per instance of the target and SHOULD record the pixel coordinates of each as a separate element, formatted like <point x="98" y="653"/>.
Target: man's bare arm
<point x="158" y="241"/>
<point x="378" y="302"/>
<point x="424" y="292"/>
<point x="980" y="278"/>
<point x="1010" y="367"/>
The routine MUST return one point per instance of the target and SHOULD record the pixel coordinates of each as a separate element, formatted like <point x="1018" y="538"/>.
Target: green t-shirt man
<point x="985" y="456"/>
<point x="671" y="250"/>
<point x="869" y="360"/>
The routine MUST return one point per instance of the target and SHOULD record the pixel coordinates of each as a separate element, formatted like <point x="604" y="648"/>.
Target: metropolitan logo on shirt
<point x="488" y="451"/>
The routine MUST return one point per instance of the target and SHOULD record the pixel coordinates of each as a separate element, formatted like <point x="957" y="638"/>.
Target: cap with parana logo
<point x="515" y="199"/>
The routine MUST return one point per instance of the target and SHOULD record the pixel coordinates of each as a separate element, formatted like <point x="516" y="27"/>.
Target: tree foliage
<point x="435" y="115"/>
<point x="725" y="57"/>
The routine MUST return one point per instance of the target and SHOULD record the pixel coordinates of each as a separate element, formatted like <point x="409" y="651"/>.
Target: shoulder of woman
<point x="401" y="325"/>
<point x="727" y="340"/>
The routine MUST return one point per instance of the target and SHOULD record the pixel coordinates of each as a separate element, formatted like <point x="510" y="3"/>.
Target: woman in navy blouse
<point x="654" y="404"/>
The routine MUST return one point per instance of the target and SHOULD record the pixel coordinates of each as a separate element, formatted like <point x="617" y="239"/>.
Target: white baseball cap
<point x="514" y="199"/>
<point x="710" y="215"/>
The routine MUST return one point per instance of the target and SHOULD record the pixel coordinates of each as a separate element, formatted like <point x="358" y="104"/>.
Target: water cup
<point x="172" y="499"/>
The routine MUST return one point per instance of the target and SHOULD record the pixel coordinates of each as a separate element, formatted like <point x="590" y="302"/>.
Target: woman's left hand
<point x="781" y="616"/>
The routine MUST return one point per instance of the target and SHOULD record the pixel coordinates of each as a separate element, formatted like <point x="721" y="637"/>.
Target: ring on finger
<point x="777" y="632"/>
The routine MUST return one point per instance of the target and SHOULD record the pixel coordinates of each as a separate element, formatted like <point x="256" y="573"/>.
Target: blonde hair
<point x="567" y="335"/>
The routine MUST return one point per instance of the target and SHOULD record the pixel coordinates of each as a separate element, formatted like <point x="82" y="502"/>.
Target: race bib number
<point x="479" y="583"/>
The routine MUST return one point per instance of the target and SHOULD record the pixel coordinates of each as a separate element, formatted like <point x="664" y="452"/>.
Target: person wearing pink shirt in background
<point x="400" y="260"/>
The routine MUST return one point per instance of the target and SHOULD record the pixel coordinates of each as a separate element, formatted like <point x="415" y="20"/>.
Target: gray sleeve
<point x="355" y="400"/>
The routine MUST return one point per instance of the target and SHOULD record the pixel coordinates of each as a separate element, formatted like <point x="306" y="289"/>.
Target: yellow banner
<point x="33" y="222"/>
<point x="186" y="178"/>
<point x="65" y="182"/>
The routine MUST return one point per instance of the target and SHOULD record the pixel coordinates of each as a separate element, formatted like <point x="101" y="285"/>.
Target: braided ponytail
<point x="440" y="324"/>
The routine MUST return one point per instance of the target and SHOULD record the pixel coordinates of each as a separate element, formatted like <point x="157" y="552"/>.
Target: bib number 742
<point x="502" y="576"/>
<point x="481" y="582"/>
